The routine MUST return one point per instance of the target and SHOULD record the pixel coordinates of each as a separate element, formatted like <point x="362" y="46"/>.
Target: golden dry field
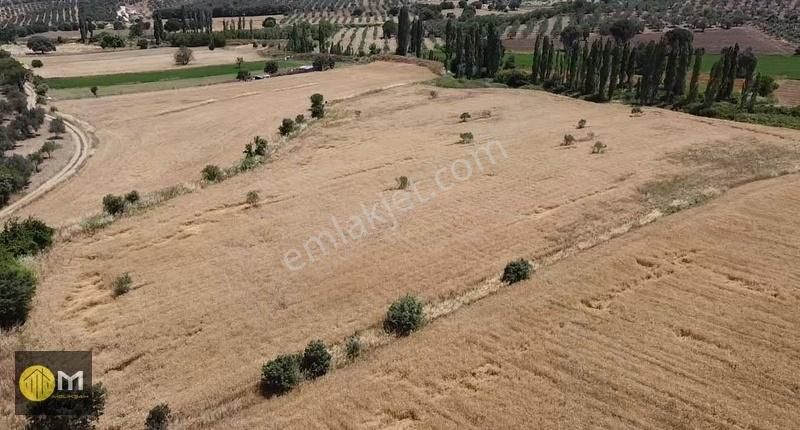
<point x="665" y="294"/>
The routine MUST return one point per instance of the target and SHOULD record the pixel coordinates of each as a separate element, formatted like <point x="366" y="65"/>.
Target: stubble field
<point x="643" y="330"/>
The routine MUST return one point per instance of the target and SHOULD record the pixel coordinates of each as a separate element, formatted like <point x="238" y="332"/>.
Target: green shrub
<point x="280" y="375"/>
<point x="599" y="148"/>
<point x="27" y="237"/>
<point x="514" y="78"/>
<point x="353" y="347"/>
<point x="581" y="124"/>
<point x="404" y="316"/>
<point x="516" y="271"/>
<point x="94" y="90"/>
<point x="158" y="418"/>
<point x="299" y="119"/>
<point x="402" y="182"/>
<point x="271" y="67"/>
<point x="286" y="127"/>
<point x="243" y="75"/>
<point x="121" y="285"/>
<point x="113" y="205"/>
<point x="142" y="43"/>
<point x="37" y="63"/>
<point x="466" y="137"/>
<point x="17" y="285"/>
<point x="132" y="197"/>
<point x="316" y="360"/>
<point x="317" y="106"/>
<point x="212" y="173"/>
<point x="252" y="198"/>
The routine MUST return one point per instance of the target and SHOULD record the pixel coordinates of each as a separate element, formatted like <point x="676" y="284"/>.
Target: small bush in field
<point x="516" y="271"/>
<point x="158" y="418"/>
<point x="252" y="198"/>
<point x="212" y="173"/>
<point x="599" y="148"/>
<point x="465" y="117"/>
<point x="405" y="315"/>
<point x="581" y="123"/>
<point x="300" y="119"/>
<point x="353" y="347"/>
<point x="132" y="197"/>
<point x="121" y="285"/>
<point x="316" y="360"/>
<point x="113" y="205"/>
<point x="286" y="127"/>
<point x="402" y="182"/>
<point x="569" y="140"/>
<point x="466" y="137"/>
<point x="280" y="375"/>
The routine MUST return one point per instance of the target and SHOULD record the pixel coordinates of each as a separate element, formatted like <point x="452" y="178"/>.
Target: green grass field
<point x="188" y="72"/>
<point x="777" y="66"/>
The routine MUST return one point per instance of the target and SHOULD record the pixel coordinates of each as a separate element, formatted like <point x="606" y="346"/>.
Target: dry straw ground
<point x="129" y="61"/>
<point x="687" y="321"/>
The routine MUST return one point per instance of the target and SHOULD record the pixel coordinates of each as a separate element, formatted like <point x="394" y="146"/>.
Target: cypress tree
<point x="616" y="63"/>
<point x="449" y="40"/>
<point x="605" y="70"/>
<point x="670" y="73"/>
<point x="537" y="53"/>
<point x="403" y="31"/>
<point x="494" y="49"/>
<point x="694" y="83"/>
<point x="714" y="83"/>
<point x="630" y="67"/>
<point x="684" y="59"/>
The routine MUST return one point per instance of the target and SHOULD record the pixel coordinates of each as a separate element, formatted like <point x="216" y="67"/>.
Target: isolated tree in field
<point x="41" y="44"/>
<point x="183" y="56"/>
<point x="316" y="360"/>
<point x="94" y="91"/>
<point x="37" y="63"/>
<point x="271" y="67"/>
<point x="403" y="31"/>
<point x="57" y="127"/>
<point x="158" y="418"/>
<point x="317" y="106"/>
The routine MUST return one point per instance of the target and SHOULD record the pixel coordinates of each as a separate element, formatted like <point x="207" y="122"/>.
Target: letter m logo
<point x="62" y="377"/>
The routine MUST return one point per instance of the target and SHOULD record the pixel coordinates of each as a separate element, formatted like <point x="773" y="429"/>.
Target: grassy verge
<point x="83" y="92"/>
<point x="161" y="75"/>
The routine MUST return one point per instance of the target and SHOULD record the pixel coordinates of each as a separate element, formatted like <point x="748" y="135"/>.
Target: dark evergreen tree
<point x="403" y="31"/>
<point x="694" y="82"/>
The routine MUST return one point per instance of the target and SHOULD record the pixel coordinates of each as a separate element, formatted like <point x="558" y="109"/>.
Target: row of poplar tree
<point x="655" y="72"/>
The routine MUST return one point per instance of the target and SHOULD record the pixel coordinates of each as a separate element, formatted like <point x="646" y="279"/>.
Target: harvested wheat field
<point x="148" y="141"/>
<point x="594" y="339"/>
<point x="140" y="60"/>
<point x="675" y="326"/>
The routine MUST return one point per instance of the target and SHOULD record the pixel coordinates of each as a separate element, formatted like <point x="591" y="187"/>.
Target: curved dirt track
<point x="78" y="158"/>
<point x="75" y="162"/>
